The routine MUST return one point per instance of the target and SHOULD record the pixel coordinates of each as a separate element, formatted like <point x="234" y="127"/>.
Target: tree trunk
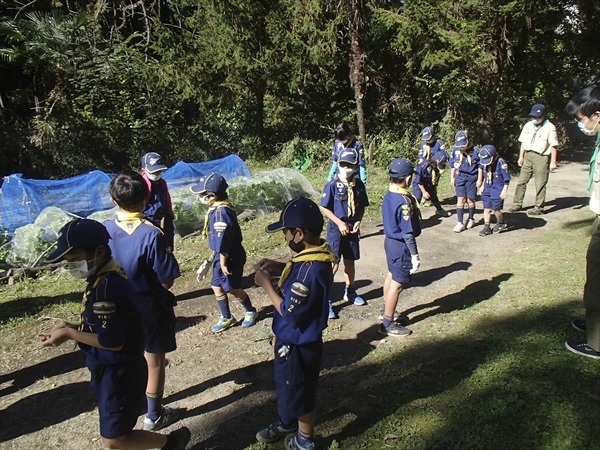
<point x="357" y="60"/>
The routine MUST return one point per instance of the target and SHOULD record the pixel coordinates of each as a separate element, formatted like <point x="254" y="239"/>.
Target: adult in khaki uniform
<point x="586" y="107"/>
<point x="537" y="158"/>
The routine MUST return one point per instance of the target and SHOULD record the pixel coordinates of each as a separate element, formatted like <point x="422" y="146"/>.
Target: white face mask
<point x="80" y="269"/>
<point x="155" y="176"/>
<point x="345" y="172"/>
<point x="538" y="120"/>
<point x="586" y="131"/>
<point x="206" y="199"/>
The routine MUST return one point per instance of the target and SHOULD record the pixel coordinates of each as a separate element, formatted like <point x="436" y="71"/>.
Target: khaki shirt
<point x="595" y="188"/>
<point x="539" y="138"/>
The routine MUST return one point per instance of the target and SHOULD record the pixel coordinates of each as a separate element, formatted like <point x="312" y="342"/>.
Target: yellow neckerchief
<point x="213" y="207"/>
<point x="435" y="174"/>
<point x="110" y="267"/>
<point x="321" y="253"/>
<point x="351" y="200"/>
<point x="426" y="151"/>
<point x="489" y="169"/>
<point x="400" y="190"/>
<point x="463" y="153"/>
<point x="129" y="221"/>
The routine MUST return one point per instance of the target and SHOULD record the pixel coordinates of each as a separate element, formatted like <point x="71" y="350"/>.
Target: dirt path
<point x="225" y="381"/>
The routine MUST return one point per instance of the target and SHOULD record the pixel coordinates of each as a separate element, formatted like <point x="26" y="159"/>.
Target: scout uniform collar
<point x="321" y="253"/>
<point x="214" y="206"/>
<point x="129" y="221"/>
<point x="403" y="191"/>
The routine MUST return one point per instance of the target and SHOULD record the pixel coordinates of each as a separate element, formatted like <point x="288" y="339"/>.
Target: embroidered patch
<point x="104" y="308"/>
<point x="300" y="290"/>
<point x="406" y="209"/>
<point x="220" y="226"/>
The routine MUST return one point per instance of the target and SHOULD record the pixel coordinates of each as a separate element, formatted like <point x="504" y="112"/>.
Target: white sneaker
<point x="459" y="227"/>
<point x="470" y="224"/>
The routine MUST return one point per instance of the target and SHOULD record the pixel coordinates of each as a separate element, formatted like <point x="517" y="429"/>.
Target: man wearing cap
<point x="343" y="203"/>
<point x="300" y="316"/>
<point x="537" y="158"/>
<point x="111" y="337"/>
<point x="159" y="210"/>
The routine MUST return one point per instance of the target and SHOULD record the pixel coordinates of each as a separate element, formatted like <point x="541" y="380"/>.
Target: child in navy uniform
<point x="427" y="176"/>
<point x="400" y="212"/>
<point x="159" y="210"/>
<point x="430" y="144"/>
<point x="343" y="203"/>
<point x="494" y="187"/>
<point x="110" y="335"/>
<point x="141" y="248"/>
<point x="464" y="174"/>
<point x="225" y="240"/>
<point x="298" y="321"/>
<point x="344" y="138"/>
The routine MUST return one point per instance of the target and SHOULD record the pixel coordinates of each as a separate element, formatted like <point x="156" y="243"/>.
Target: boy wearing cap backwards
<point x="159" y="210"/>
<point x="301" y="306"/>
<point x="537" y="158"/>
<point x="343" y="203"/>
<point x="222" y="228"/>
<point x="344" y="138"/>
<point x="494" y="187"/>
<point x="110" y="334"/>
<point x="400" y="212"/>
<point x="427" y="176"/>
<point x="464" y="174"/>
<point x="141" y="249"/>
<point x="430" y="144"/>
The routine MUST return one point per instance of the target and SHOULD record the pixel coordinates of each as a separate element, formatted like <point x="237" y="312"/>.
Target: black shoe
<point x="581" y="348"/>
<point x="535" y="212"/>
<point x="182" y="437"/>
<point x="500" y="226"/>
<point x="515" y="208"/>
<point x="395" y="329"/>
<point x="579" y="325"/>
<point x="486" y="231"/>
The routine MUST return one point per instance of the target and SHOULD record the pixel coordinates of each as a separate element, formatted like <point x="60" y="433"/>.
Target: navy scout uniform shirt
<point x="338" y="148"/>
<point x="305" y="306"/>
<point x="437" y="145"/>
<point x="225" y="235"/>
<point x="107" y="311"/>
<point x="399" y="216"/>
<point x="425" y="175"/>
<point x="335" y="199"/>
<point x="496" y="175"/>
<point x="465" y="164"/>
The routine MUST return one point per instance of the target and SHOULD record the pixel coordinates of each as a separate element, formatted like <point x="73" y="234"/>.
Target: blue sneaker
<point x="351" y="296"/>
<point x="331" y="311"/>
<point x="223" y="324"/>
<point x="249" y="318"/>
<point x="291" y="443"/>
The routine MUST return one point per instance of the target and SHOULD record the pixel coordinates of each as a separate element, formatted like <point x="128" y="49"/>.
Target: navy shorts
<point x="465" y="185"/>
<point x="158" y="320"/>
<point x="347" y="247"/>
<point x="491" y="199"/>
<point x="296" y="379"/>
<point x="398" y="258"/>
<point x="120" y="393"/>
<point x="227" y="282"/>
<point x="429" y="188"/>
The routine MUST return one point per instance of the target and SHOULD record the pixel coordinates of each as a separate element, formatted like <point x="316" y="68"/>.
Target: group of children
<point x="128" y="321"/>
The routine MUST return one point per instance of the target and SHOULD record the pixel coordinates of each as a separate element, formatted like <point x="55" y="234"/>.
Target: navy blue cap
<point x="486" y="154"/>
<point x="461" y="139"/>
<point x="427" y="133"/>
<point x="348" y="155"/>
<point x="213" y="182"/>
<point x="400" y="168"/>
<point x="78" y="233"/>
<point x="300" y="213"/>
<point x="152" y="162"/>
<point x="441" y="158"/>
<point x="537" y="110"/>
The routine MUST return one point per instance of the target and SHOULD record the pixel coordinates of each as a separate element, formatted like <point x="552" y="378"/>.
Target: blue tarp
<point x="22" y="200"/>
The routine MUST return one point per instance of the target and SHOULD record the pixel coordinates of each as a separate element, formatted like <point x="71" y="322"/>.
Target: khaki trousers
<point x="537" y="166"/>
<point x="591" y="290"/>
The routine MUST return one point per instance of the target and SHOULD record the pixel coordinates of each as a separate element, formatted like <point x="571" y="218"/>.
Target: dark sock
<point x="223" y="303"/>
<point x="486" y="225"/>
<point x="460" y="214"/>
<point x="154" y="405"/>
<point x="387" y="321"/>
<point x="471" y="213"/>
<point x="247" y="304"/>
<point x="304" y="439"/>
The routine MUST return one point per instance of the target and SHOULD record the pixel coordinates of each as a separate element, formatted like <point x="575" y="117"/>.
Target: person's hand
<point x="521" y="161"/>
<point x="553" y="166"/>
<point x="481" y="187"/>
<point x="503" y="194"/>
<point x="426" y="195"/>
<point x="480" y="184"/>
<point x="452" y="182"/>
<point x="225" y="270"/>
<point x="355" y="227"/>
<point x="416" y="263"/>
<point x="344" y="228"/>
<point x="262" y="277"/>
<point x="55" y="337"/>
